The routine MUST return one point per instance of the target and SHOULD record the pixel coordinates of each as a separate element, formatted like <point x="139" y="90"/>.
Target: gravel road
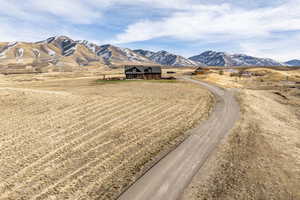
<point x="169" y="177"/>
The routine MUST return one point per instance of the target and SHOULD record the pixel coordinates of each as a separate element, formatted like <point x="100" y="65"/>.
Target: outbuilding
<point x="143" y="72"/>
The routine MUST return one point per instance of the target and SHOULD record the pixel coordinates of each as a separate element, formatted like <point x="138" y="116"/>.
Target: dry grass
<point x="268" y="78"/>
<point x="222" y="80"/>
<point x="260" y="159"/>
<point x="93" y="72"/>
<point x="74" y="139"/>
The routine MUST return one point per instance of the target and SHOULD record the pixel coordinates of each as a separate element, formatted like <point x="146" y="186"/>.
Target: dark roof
<point x="142" y="70"/>
<point x="201" y="69"/>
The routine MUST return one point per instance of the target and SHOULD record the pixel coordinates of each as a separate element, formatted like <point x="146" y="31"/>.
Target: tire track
<point x="38" y="154"/>
<point x="74" y="152"/>
<point x="74" y="109"/>
<point x="175" y="118"/>
<point x="64" y="149"/>
<point x="38" y="149"/>
<point x="38" y="133"/>
<point x="121" y="149"/>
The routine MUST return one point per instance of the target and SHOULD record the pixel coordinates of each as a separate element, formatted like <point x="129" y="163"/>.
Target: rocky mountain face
<point x="145" y="53"/>
<point x="212" y="58"/>
<point x="113" y="54"/>
<point x="64" y="51"/>
<point x="166" y="58"/>
<point x="293" y="63"/>
<point x="53" y="51"/>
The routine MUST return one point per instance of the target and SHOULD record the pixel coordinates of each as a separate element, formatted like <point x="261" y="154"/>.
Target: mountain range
<point x="166" y="58"/>
<point x="64" y="51"/>
<point x="54" y="51"/>
<point x="213" y="58"/>
<point x="293" y="63"/>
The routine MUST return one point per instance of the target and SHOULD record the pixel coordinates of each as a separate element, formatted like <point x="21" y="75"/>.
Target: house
<point x="143" y="72"/>
<point x="201" y="70"/>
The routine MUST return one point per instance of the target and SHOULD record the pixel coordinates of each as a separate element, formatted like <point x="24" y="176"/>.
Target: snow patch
<point x="2" y="55"/>
<point x="166" y="58"/>
<point x="91" y="46"/>
<point x="20" y="53"/>
<point x="106" y="55"/>
<point x="51" y="39"/>
<point x="213" y="58"/>
<point x="12" y="44"/>
<point x="6" y="48"/>
<point x="36" y="52"/>
<point x="50" y="52"/>
<point x="70" y="51"/>
<point x="68" y="47"/>
<point x="133" y="56"/>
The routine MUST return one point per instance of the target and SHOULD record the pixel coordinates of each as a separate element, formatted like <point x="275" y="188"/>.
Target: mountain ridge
<point x="62" y="50"/>
<point x="294" y="62"/>
<point x="165" y="58"/>
<point x="214" y="58"/>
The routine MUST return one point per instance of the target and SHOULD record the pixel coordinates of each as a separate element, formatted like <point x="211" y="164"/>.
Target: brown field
<point x="91" y="72"/>
<point x="69" y="137"/>
<point x="260" y="158"/>
<point x="268" y="79"/>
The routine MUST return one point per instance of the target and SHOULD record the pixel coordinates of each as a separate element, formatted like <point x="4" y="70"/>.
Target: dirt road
<point x="167" y="179"/>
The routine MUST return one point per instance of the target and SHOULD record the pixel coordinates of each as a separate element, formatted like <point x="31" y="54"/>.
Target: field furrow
<point x="49" y="133"/>
<point x="70" y="141"/>
<point x="98" y="166"/>
<point x="45" y="121"/>
<point x="61" y="142"/>
<point x="92" y="142"/>
<point x="65" y="161"/>
<point x="94" y="189"/>
<point x="97" y="156"/>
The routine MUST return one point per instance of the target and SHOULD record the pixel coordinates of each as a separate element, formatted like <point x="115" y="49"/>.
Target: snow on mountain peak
<point x="213" y="58"/>
<point x="165" y="58"/>
<point x="294" y="62"/>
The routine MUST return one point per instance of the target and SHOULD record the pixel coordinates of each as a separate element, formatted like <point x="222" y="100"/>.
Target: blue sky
<point x="261" y="28"/>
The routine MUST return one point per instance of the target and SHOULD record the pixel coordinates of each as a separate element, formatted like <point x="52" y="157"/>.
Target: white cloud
<point x="169" y="4"/>
<point x="223" y="21"/>
<point x="282" y="49"/>
<point x="187" y="20"/>
<point x="33" y="19"/>
<point x="9" y="31"/>
<point x="75" y="11"/>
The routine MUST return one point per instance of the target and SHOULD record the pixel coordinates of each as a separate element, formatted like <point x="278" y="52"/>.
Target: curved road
<point x="169" y="177"/>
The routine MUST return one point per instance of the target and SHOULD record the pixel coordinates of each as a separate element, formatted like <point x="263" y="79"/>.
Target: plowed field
<point x="88" y="141"/>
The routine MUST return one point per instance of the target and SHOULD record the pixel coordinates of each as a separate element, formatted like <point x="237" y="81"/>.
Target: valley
<point x="149" y="100"/>
<point x="73" y="135"/>
<point x="73" y="128"/>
